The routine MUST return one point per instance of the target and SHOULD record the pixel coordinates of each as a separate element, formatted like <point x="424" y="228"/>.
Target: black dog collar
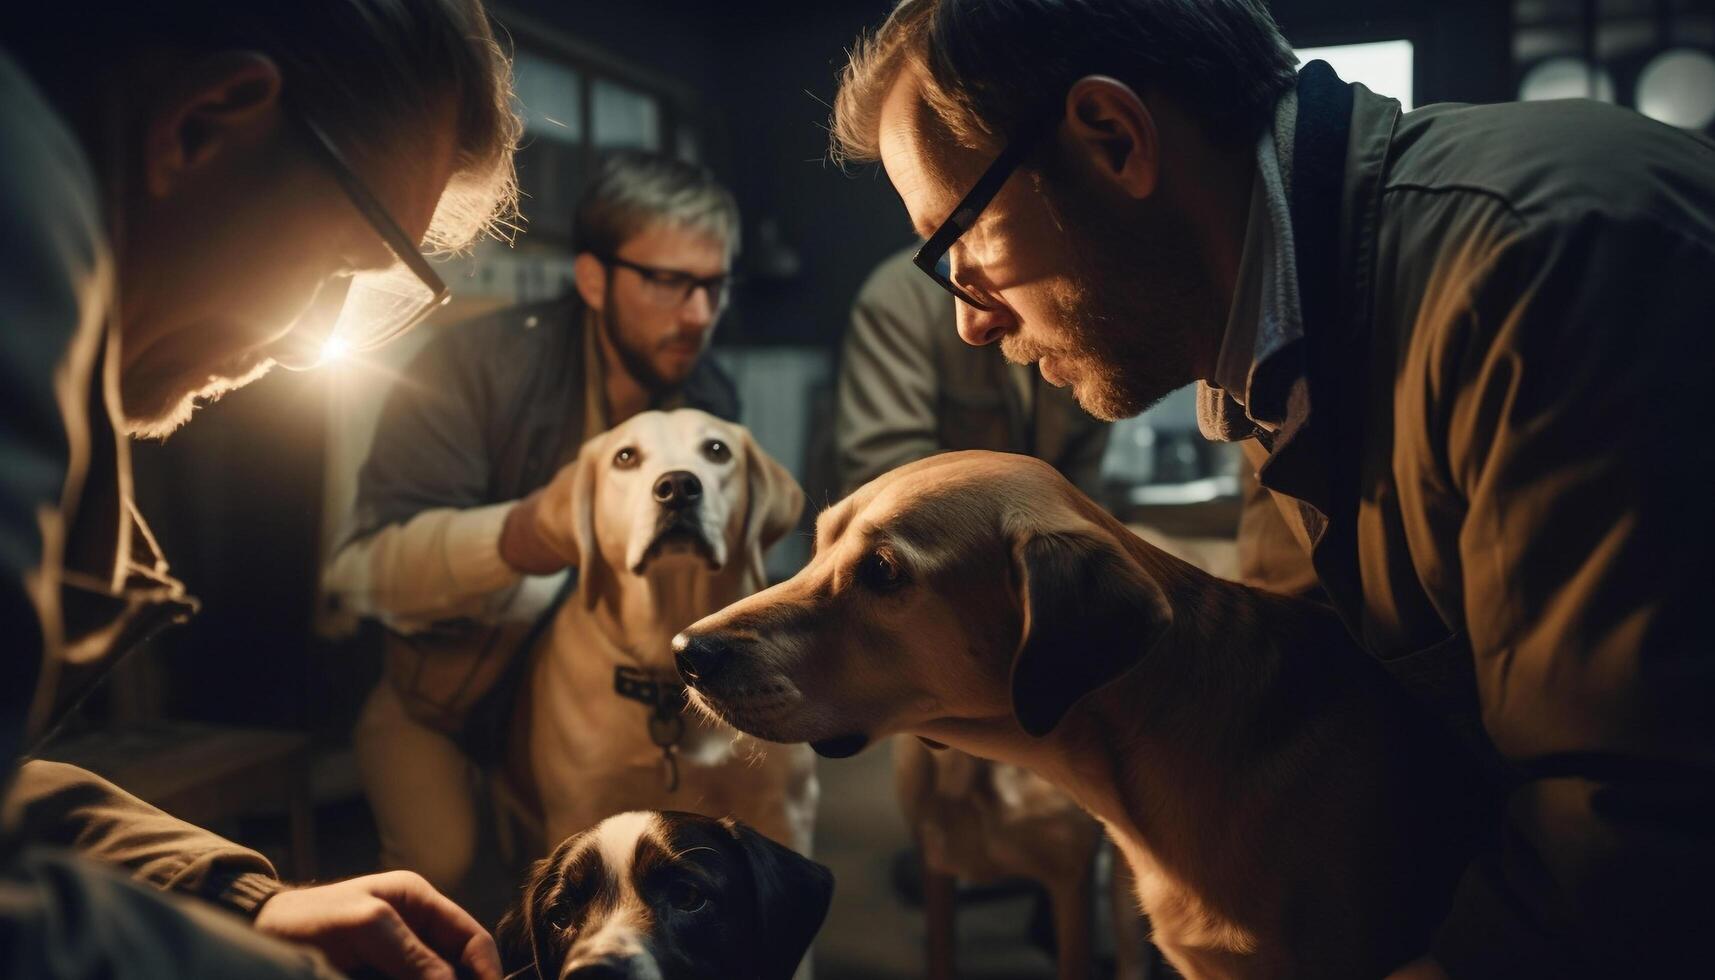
<point x="665" y="698"/>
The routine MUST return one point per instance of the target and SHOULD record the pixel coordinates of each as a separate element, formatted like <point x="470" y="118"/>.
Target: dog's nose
<point x="678" y="489"/>
<point x="699" y="658"/>
<point x="606" y="968"/>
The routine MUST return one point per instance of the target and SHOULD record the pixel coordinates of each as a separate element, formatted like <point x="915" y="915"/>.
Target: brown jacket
<point x="910" y="388"/>
<point x="1493" y="456"/>
<point x="84" y="866"/>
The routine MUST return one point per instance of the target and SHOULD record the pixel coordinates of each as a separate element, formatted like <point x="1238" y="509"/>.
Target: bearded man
<point x="1460" y="344"/>
<point x="447" y="557"/>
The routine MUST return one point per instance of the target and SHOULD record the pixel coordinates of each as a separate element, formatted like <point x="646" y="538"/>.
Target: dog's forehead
<point x="685" y="426"/>
<point x="690" y="834"/>
<point x="974" y="484"/>
<point x="629" y="840"/>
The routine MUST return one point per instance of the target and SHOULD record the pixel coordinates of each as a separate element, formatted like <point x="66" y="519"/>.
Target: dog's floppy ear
<point x="566" y="517"/>
<point x="566" y="520"/>
<point x="516" y="933"/>
<point x="1090" y="612"/>
<point x="792" y="896"/>
<point x="775" y="499"/>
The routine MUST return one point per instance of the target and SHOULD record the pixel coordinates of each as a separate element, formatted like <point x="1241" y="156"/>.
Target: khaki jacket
<point x="1493" y="459"/>
<point x="910" y="388"/>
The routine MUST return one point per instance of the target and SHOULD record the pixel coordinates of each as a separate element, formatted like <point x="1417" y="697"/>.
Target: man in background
<point x="909" y="388"/>
<point x="447" y="556"/>
<point x="191" y="190"/>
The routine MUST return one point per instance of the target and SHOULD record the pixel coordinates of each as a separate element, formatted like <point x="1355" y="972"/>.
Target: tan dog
<point x="666" y="517"/>
<point x="1286" y="811"/>
<point x="983" y="821"/>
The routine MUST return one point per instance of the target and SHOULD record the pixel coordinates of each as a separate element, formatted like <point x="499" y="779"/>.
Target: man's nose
<point x="678" y="489"/>
<point x="982" y="327"/>
<point x="698" y="309"/>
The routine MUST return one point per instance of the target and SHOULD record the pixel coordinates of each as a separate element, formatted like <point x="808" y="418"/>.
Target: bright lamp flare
<point x="334" y="350"/>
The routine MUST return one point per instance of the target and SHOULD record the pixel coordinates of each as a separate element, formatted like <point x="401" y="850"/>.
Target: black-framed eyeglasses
<point x="363" y="311"/>
<point x="673" y="287"/>
<point x="932" y="257"/>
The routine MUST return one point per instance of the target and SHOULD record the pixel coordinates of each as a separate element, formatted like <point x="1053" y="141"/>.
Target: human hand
<point x="522" y="545"/>
<point x="394" y="923"/>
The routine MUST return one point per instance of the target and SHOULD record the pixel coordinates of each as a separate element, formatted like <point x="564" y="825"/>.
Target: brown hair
<point x="368" y="72"/>
<point x="635" y="190"/>
<point x="990" y="67"/>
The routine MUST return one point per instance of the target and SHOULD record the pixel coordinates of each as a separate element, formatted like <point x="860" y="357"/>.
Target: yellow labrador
<point x="1286" y="812"/>
<point x="666" y="517"/>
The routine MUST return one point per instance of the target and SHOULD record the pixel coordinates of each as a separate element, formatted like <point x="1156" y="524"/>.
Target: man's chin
<point x="161" y="416"/>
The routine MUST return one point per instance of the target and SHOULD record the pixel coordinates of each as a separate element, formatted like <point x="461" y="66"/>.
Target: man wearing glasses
<point x="1465" y="347"/>
<point x="192" y="192"/>
<point x="446" y="556"/>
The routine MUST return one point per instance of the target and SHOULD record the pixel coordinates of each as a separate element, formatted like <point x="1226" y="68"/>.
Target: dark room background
<point x="243" y="500"/>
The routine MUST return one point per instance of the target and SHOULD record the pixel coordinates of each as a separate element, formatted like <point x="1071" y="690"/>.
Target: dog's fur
<point x="645" y="571"/>
<point x="1286" y="810"/>
<point x="665" y="896"/>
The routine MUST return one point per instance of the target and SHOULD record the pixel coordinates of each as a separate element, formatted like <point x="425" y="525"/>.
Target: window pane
<point x="550" y="93"/>
<point x="625" y="117"/>
<point x="1383" y="66"/>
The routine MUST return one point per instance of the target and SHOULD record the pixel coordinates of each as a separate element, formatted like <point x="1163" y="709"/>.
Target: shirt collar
<point x="1248" y="391"/>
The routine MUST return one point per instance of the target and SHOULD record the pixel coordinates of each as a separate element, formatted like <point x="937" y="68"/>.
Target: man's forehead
<point x="919" y="154"/>
<point x="678" y="246"/>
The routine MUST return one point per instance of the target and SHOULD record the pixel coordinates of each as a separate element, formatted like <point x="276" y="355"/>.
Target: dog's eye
<point x="626" y="459"/>
<point x="716" y="451"/>
<point x="559" y="918"/>
<point x="880" y="571"/>
<point x="686" y="897"/>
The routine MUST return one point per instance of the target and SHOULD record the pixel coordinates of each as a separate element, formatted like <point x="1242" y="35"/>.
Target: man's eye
<point x="686" y="897"/>
<point x="626" y="459"/>
<point x="716" y="451"/>
<point x="880" y="571"/>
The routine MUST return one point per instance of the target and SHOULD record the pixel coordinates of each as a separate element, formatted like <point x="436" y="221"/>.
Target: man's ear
<point x="1090" y="612"/>
<point x="589" y="275"/>
<point x="215" y="103"/>
<point x="566" y="516"/>
<point x="775" y="499"/>
<point x="1113" y="133"/>
<point x="792" y="897"/>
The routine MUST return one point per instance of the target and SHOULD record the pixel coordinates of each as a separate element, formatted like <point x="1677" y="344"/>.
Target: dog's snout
<point x="678" y="489"/>
<point x="700" y="658"/>
<point x="606" y="968"/>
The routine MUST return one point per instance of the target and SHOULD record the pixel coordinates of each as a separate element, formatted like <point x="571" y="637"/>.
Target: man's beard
<point x="633" y="357"/>
<point x="155" y="408"/>
<point x="1128" y="317"/>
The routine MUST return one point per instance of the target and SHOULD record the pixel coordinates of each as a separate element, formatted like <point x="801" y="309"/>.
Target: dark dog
<point x="656" y="895"/>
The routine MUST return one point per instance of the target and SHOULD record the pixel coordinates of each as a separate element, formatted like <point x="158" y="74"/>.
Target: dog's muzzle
<point x="700" y="659"/>
<point x="613" y="968"/>
<point x="678" y="490"/>
<point x="680" y="495"/>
